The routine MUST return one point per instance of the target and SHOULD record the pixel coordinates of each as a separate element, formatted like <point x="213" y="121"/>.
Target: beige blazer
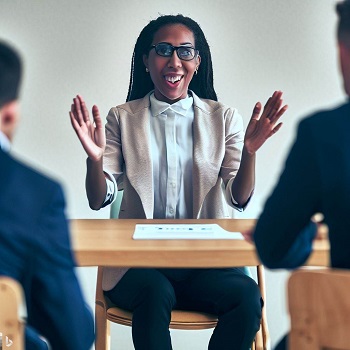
<point x="217" y="147"/>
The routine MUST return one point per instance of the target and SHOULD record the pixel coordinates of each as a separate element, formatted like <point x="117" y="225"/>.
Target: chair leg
<point x="264" y="326"/>
<point x="259" y="343"/>
<point x="102" y="326"/>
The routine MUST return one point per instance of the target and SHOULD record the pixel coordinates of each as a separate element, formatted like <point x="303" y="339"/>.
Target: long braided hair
<point x="140" y="81"/>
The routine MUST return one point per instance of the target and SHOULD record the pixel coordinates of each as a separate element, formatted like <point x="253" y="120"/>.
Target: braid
<point x="131" y="76"/>
<point x="140" y="81"/>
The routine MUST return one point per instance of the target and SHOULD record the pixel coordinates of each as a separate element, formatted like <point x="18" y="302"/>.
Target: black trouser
<point x="151" y="294"/>
<point x="283" y="343"/>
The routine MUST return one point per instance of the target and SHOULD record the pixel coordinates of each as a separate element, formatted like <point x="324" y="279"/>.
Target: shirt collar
<point x="180" y="107"/>
<point x="5" y="144"/>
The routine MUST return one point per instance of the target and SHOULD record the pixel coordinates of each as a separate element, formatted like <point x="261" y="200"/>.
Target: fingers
<point x="272" y="109"/>
<point x="96" y="116"/>
<point x="76" y="111"/>
<point x="275" y="117"/>
<point x="73" y="121"/>
<point x="80" y="119"/>
<point x="77" y="128"/>
<point x="75" y="116"/>
<point x="269" y="104"/>
<point x="272" y="105"/>
<point x="275" y="129"/>
<point x="256" y="111"/>
<point x="84" y="110"/>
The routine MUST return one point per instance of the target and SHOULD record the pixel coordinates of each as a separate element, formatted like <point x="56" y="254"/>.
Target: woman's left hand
<point x="261" y="127"/>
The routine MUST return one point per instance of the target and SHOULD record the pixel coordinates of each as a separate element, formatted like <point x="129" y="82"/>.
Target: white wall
<point x="85" y="47"/>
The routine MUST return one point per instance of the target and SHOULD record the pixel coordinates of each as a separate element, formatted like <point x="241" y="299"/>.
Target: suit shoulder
<point x="328" y="116"/>
<point x="133" y="107"/>
<point x="328" y="126"/>
<point x="31" y="176"/>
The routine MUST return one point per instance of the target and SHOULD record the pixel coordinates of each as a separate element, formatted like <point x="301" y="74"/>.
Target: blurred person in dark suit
<point x="34" y="238"/>
<point x="316" y="179"/>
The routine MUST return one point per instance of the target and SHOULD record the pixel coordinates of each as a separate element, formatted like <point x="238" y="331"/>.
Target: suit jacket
<point x="316" y="179"/>
<point x="35" y="250"/>
<point x="217" y="146"/>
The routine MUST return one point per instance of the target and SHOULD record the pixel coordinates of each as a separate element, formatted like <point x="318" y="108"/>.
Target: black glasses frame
<point x="175" y="48"/>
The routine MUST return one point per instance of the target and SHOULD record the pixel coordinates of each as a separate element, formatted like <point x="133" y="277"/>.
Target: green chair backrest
<point x="115" y="206"/>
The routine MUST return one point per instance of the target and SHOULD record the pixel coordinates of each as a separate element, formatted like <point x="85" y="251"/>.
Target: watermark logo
<point x="5" y="342"/>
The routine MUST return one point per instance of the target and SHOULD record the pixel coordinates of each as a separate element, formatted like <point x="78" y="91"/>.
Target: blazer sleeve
<point x="58" y="310"/>
<point x="113" y="161"/>
<point x="284" y="232"/>
<point x="234" y="141"/>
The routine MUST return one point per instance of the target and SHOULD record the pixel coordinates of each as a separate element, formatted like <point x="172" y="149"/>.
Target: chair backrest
<point x="11" y="322"/>
<point x="319" y="307"/>
<point x="106" y="312"/>
<point x="115" y="206"/>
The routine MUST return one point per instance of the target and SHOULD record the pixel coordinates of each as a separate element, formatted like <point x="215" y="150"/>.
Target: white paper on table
<point x="183" y="231"/>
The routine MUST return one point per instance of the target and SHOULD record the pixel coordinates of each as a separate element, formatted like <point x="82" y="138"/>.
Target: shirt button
<point x="171" y="210"/>
<point x="173" y="185"/>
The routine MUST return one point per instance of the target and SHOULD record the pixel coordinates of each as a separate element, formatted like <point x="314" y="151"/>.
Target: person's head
<point x="154" y="67"/>
<point x="343" y="33"/>
<point x="10" y="78"/>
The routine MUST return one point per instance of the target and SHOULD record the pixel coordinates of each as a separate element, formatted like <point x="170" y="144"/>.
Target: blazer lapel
<point x="208" y="150"/>
<point x="137" y="154"/>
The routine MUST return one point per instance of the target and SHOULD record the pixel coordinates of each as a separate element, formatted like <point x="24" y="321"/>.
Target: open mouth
<point x="173" y="78"/>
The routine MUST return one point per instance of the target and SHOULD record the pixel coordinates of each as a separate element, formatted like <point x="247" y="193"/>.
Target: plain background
<point x="85" y="47"/>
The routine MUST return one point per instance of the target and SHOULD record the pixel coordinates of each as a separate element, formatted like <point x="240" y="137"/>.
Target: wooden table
<point x="109" y="242"/>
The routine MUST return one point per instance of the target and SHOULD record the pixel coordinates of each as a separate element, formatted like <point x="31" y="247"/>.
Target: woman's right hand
<point x="91" y="134"/>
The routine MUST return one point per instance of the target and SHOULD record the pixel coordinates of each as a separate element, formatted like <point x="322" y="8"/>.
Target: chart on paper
<point x="183" y="231"/>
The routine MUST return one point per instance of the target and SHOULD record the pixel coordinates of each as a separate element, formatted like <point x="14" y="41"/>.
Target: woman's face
<point x="170" y="75"/>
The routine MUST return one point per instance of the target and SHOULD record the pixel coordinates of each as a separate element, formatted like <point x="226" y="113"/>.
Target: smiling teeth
<point x="173" y="79"/>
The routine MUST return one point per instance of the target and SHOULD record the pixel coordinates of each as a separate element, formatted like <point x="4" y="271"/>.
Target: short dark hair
<point x="10" y="73"/>
<point x="343" y="11"/>
<point x="140" y="81"/>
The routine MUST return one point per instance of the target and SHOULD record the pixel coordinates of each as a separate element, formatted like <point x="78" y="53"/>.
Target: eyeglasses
<point x="186" y="53"/>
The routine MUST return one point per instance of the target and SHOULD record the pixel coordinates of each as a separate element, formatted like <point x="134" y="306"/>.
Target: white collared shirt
<point x="5" y="144"/>
<point x="172" y="159"/>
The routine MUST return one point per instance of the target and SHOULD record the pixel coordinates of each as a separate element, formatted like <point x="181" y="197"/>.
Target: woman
<point x="177" y="153"/>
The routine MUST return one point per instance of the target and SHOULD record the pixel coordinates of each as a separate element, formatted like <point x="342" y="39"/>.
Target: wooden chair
<point x="11" y="322"/>
<point x="106" y="312"/>
<point x="319" y="307"/>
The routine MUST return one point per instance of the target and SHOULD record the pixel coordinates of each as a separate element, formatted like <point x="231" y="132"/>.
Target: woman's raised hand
<point x="91" y="134"/>
<point x="261" y="127"/>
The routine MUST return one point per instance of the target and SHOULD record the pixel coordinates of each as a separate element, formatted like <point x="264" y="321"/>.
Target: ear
<point x="198" y="59"/>
<point x="9" y="116"/>
<point x="145" y="60"/>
